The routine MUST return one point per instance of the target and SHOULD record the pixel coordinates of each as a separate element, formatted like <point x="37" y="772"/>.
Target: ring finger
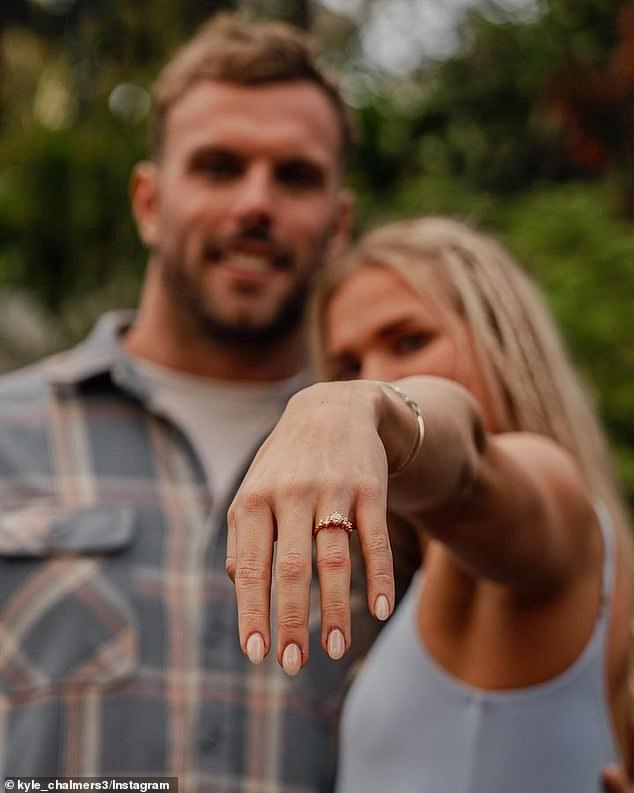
<point x="332" y="541"/>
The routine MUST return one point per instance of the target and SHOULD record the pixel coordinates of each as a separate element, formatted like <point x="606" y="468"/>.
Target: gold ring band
<point x="334" y="520"/>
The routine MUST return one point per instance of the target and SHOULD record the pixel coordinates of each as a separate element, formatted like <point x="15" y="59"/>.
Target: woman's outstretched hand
<point x="325" y="456"/>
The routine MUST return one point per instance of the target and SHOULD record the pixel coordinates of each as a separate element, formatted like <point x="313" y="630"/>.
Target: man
<point x="118" y="640"/>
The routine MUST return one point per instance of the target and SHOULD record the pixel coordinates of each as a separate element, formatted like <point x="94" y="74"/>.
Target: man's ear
<point x="343" y="223"/>
<point x="144" y="196"/>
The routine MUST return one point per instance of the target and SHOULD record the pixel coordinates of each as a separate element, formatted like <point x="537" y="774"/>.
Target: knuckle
<point x="378" y="542"/>
<point x="380" y="582"/>
<point x="293" y="567"/>
<point x="254" y="501"/>
<point x="336" y="610"/>
<point x="371" y="490"/>
<point x="298" y="489"/>
<point x="305" y="485"/>
<point x="251" y="615"/>
<point x="339" y="490"/>
<point x="292" y="621"/>
<point x="383" y="579"/>
<point x="250" y="569"/>
<point x="336" y="561"/>
<point x="230" y="568"/>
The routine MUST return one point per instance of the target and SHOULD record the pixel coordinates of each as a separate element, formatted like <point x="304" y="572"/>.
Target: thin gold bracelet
<point x="420" y="428"/>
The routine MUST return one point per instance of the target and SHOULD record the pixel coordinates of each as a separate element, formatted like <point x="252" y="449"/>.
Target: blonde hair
<point x="230" y="48"/>
<point x="529" y="376"/>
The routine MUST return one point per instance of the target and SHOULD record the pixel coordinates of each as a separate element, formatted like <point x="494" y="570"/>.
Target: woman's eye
<point x="411" y="342"/>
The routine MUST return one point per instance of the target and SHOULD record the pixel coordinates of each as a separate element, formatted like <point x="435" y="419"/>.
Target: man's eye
<point x="411" y="342"/>
<point x="218" y="169"/>
<point x="300" y="175"/>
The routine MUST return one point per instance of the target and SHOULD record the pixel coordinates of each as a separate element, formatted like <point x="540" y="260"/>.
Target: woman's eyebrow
<point x="404" y="324"/>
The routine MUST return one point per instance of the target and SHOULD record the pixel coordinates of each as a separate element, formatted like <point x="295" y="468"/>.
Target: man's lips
<point x="249" y="262"/>
<point x="247" y="272"/>
<point x="253" y="258"/>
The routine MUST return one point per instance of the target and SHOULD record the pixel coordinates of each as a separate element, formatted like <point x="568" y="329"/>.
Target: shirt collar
<point x="101" y="353"/>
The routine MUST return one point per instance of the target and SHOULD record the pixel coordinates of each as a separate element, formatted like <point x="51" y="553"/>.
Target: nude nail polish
<point x="382" y="608"/>
<point x="336" y="645"/>
<point x="255" y="648"/>
<point x="291" y="659"/>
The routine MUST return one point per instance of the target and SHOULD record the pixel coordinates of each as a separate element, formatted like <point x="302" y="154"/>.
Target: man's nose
<point x="255" y="200"/>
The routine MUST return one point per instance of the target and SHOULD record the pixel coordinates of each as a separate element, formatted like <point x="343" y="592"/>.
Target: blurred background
<point x="515" y="114"/>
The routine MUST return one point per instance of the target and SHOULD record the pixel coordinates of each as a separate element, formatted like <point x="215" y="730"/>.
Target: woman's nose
<point x="375" y="367"/>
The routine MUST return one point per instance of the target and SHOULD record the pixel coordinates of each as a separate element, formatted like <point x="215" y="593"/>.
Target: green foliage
<point x="56" y="204"/>
<point x="583" y="257"/>
<point x="527" y="130"/>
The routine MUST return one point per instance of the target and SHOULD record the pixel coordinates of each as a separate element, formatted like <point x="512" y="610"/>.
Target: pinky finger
<point x="377" y="554"/>
<point x="230" y="559"/>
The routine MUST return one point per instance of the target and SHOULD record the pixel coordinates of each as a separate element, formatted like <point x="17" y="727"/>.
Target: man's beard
<point x="245" y="335"/>
<point x="240" y="333"/>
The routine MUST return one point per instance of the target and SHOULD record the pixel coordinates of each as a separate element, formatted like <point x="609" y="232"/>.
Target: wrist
<point x="401" y="428"/>
<point x="359" y="397"/>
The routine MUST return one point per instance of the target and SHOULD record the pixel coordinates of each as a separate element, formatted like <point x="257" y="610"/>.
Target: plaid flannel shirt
<point x="119" y="647"/>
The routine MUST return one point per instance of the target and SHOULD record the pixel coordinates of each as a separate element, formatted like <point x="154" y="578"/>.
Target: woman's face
<point x="378" y="328"/>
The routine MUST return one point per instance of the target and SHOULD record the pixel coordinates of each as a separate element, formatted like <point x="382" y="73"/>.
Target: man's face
<point x="245" y="203"/>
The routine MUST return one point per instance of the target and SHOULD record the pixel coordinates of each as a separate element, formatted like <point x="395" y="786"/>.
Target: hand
<point x="325" y="455"/>
<point x="615" y="781"/>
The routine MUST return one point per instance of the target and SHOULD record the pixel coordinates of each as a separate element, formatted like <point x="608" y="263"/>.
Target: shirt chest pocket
<point x="63" y="619"/>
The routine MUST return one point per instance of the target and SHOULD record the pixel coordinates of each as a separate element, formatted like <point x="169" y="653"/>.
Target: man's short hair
<point x="230" y="48"/>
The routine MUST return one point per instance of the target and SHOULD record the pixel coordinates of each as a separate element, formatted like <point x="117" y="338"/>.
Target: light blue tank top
<point x="410" y="727"/>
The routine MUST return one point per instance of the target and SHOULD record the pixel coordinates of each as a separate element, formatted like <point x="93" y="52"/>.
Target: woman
<point x="505" y="667"/>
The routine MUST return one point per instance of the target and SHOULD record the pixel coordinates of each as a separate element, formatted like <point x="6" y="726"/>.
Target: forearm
<point x="510" y="507"/>
<point x="444" y="468"/>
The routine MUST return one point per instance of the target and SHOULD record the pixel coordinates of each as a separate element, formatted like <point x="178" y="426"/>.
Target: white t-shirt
<point x="223" y="420"/>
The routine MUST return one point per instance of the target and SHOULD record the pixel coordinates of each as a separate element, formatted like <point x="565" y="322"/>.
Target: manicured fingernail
<point x="255" y="648"/>
<point x="382" y="608"/>
<point x="291" y="659"/>
<point x="336" y="644"/>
